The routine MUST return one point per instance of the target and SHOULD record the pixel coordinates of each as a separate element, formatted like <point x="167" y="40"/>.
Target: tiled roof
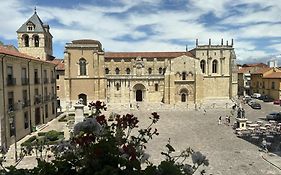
<point x="109" y="55"/>
<point x="12" y="52"/>
<point x="273" y="75"/>
<point x="39" y="27"/>
<point x="261" y="70"/>
<point x="255" y="65"/>
<point x="245" y="70"/>
<point x="59" y="63"/>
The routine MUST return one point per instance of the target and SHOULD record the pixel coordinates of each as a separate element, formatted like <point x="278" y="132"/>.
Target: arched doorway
<point x="84" y="98"/>
<point x="139" y="90"/>
<point x="184" y="95"/>
<point x="139" y="95"/>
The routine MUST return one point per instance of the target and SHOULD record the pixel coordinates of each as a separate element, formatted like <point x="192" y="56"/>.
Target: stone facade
<point x="206" y="73"/>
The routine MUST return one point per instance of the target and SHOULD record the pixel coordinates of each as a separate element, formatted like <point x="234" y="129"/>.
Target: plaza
<point x="227" y="153"/>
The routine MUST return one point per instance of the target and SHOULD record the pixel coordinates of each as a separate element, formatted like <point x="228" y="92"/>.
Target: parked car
<point x="256" y="105"/>
<point x="268" y="99"/>
<point x="273" y="116"/>
<point x="256" y="95"/>
<point x="276" y="102"/>
<point x="251" y="102"/>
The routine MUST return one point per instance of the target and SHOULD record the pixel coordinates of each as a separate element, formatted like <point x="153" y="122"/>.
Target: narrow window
<point x="156" y="87"/>
<point x="117" y="86"/>
<point x="273" y="85"/>
<point x="149" y="71"/>
<point x="128" y="71"/>
<point x="26" y="125"/>
<point x="36" y="41"/>
<point x="183" y="97"/>
<point x="46" y="111"/>
<point x="184" y="76"/>
<point x="106" y="71"/>
<point x="26" y="41"/>
<point x="202" y="65"/>
<point x="117" y="71"/>
<point x="82" y="64"/>
<point x="160" y="70"/>
<point x="214" y="66"/>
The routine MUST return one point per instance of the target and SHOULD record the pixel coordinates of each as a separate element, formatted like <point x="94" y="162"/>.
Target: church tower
<point x="35" y="39"/>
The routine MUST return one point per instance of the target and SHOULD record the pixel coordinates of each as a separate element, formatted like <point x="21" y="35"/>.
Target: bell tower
<point x="35" y="39"/>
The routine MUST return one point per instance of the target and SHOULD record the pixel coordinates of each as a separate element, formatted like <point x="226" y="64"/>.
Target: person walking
<point x="220" y="120"/>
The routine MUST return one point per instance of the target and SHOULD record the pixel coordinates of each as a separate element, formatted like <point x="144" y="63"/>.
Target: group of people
<point x="227" y="120"/>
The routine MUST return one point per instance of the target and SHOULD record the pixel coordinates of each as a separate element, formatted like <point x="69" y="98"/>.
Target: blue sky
<point x="154" y="25"/>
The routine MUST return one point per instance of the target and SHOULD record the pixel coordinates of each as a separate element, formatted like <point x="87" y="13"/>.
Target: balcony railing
<point x="25" y="103"/>
<point x="12" y="107"/>
<point x="46" y="80"/>
<point x="36" y="80"/>
<point x="46" y="98"/>
<point x="53" y="80"/>
<point x="24" y="81"/>
<point x="11" y="81"/>
<point x="37" y="99"/>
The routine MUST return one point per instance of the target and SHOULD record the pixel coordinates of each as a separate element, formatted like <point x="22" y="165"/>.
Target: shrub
<point x="29" y="141"/>
<point x="53" y="135"/>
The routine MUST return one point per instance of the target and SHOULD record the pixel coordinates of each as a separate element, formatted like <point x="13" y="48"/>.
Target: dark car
<point x="268" y="99"/>
<point x="256" y="106"/>
<point x="273" y="116"/>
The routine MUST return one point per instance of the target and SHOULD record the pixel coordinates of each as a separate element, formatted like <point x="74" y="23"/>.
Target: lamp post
<point x="12" y="120"/>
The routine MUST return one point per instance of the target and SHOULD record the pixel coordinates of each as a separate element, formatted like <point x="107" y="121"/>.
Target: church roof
<point x="36" y="21"/>
<point x="59" y="63"/>
<point x="146" y="54"/>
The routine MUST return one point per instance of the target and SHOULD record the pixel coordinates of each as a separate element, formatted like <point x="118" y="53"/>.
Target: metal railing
<point x="24" y="81"/>
<point x="11" y="81"/>
<point x="37" y="99"/>
<point x="36" y="80"/>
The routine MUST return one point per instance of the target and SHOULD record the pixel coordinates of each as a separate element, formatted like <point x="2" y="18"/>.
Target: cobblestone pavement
<point x="227" y="154"/>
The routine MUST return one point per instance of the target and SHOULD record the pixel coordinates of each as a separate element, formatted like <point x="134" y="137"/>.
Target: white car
<point x="256" y="95"/>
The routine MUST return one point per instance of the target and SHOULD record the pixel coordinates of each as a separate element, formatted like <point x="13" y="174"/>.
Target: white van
<point x="256" y="95"/>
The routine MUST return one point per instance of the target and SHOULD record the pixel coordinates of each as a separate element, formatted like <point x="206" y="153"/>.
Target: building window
<point x="106" y="71"/>
<point x="214" y="66"/>
<point x="12" y="127"/>
<point x="215" y="53"/>
<point x="30" y="28"/>
<point x="149" y="71"/>
<point x="184" y="76"/>
<point x="10" y="76"/>
<point x="26" y="40"/>
<point x="128" y="71"/>
<point x="273" y="85"/>
<point x="24" y="80"/>
<point x="11" y="101"/>
<point x="24" y="98"/>
<point x="117" y="71"/>
<point x="117" y="86"/>
<point x="58" y="76"/>
<point x="202" y="65"/>
<point x="183" y="97"/>
<point x="36" y="79"/>
<point x="46" y="111"/>
<point x="53" y="108"/>
<point x="160" y="70"/>
<point x="58" y="87"/>
<point x="82" y="65"/>
<point x="26" y="125"/>
<point x="156" y="87"/>
<point x="36" y="40"/>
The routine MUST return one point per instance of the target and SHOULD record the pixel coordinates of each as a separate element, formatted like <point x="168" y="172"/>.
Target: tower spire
<point x="35" y="10"/>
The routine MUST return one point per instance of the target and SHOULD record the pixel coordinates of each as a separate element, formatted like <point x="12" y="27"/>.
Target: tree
<point x="102" y="146"/>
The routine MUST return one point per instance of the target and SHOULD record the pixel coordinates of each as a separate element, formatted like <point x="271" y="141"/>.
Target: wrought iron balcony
<point x="11" y="81"/>
<point x="46" y="80"/>
<point x="24" y="81"/>
<point x="37" y="99"/>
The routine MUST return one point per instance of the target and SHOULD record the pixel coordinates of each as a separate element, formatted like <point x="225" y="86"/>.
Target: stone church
<point x="206" y="73"/>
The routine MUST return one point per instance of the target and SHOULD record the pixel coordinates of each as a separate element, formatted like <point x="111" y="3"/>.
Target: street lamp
<point x="12" y="120"/>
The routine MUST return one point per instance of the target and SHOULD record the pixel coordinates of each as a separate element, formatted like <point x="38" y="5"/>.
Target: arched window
<point x="26" y="40"/>
<point x="82" y="65"/>
<point x="183" y="97"/>
<point x="215" y="66"/>
<point x="117" y="86"/>
<point x="156" y="87"/>
<point x="184" y="76"/>
<point x="106" y="71"/>
<point x="149" y="71"/>
<point x="128" y="71"/>
<point x="36" y="40"/>
<point x="202" y="65"/>
<point x="160" y="70"/>
<point x="117" y="71"/>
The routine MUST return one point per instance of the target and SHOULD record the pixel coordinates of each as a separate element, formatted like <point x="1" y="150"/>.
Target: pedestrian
<point x="228" y="120"/>
<point x="220" y="120"/>
<point x="264" y="145"/>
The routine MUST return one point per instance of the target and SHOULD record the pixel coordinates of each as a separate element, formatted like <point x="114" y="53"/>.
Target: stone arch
<point x="82" y="66"/>
<point x="139" y="92"/>
<point x="25" y="38"/>
<point x="35" y="38"/>
<point x="215" y="66"/>
<point x="184" y="95"/>
<point x="83" y="97"/>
